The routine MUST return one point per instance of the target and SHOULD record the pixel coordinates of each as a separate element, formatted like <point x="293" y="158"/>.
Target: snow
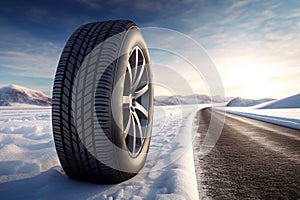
<point x="242" y="102"/>
<point x="284" y="117"/>
<point x="29" y="167"/>
<point x="189" y="99"/>
<point x="289" y="102"/>
<point x="283" y="112"/>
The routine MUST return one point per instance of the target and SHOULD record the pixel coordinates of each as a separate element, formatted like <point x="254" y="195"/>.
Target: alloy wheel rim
<point x="136" y="101"/>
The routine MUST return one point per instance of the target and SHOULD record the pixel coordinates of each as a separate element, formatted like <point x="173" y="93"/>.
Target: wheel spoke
<point x="126" y="131"/>
<point x="138" y="78"/>
<point x="141" y="109"/>
<point x="130" y="74"/>
<point x="126" y="99"/>
<point x="139" y="125"/>
<point x="142" y="91"/>
<point x="134" y="137"/>
<point x="135" y="65"/>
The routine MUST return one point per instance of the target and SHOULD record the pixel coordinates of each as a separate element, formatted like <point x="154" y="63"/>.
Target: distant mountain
<point x="242" y="102"/>
<point x="4" y="102"/>
<point x="189" y="99"/>
<point x="17" y="94"/>
<point x="289" y="102"/>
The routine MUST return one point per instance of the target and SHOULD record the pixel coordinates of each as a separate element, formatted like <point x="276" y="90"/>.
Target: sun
<point x="255" y="90"/>
<point x="253" y="80"/>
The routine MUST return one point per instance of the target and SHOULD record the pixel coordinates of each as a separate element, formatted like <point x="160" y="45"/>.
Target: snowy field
<point x="29" y="167"/>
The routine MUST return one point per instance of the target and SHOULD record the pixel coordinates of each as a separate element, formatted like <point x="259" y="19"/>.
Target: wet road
<point x="251" y="160"/>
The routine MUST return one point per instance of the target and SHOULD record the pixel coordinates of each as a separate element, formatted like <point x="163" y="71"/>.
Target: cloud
<point x="183" y="57"/>
<point x="28" y="61"/>
<point x="29" y="64"/>
<point x="31" y="58"/>
<point x="237" y="5"/>
<point x="260" y="37"/>
<point x="93" y="4"/>
<point x="122" y="6"/>
<point x="295" y="13"/>
<point x="39" y="15"/>
<point x="233" y="32"/>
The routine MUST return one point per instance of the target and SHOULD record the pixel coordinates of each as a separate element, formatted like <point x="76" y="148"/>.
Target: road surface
<point x="251" y="160"/>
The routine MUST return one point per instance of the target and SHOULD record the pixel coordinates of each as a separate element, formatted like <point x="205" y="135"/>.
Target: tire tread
<point x="76" y="161"/>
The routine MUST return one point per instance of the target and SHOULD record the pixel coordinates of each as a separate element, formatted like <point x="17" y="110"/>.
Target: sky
<point x="253" y="44"/>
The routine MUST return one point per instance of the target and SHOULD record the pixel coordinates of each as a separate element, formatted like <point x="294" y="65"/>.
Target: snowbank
<point x="242" y="102"/>
<point x="284" y="117"/>
<point x="29" y="167"/>
<point x="289" y="102"/>
<point x="283" y="112"/>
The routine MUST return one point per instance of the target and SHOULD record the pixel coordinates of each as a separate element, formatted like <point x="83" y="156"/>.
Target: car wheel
<point x="102" y="103"/>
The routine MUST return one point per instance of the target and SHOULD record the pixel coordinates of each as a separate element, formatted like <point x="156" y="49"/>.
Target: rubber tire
<point x="78" y="161"/>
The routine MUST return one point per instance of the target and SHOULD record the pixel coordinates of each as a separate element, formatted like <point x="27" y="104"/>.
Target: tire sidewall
<point x="124" y="160"/>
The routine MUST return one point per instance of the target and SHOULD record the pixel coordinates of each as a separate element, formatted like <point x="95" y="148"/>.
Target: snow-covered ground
<point x="29" y="167"/>
<point x="284" y="117"/>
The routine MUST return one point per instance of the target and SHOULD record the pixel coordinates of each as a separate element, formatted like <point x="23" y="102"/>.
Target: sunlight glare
<point x="253" y="80"/>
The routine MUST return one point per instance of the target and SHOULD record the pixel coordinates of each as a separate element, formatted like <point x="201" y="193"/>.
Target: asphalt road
<point x="251" y="160"/>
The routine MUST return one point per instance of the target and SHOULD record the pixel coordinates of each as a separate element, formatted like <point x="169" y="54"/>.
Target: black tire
<point x="102" y="106"/>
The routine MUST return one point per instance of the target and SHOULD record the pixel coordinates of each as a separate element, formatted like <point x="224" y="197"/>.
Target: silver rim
<point x="136" y="101"/>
